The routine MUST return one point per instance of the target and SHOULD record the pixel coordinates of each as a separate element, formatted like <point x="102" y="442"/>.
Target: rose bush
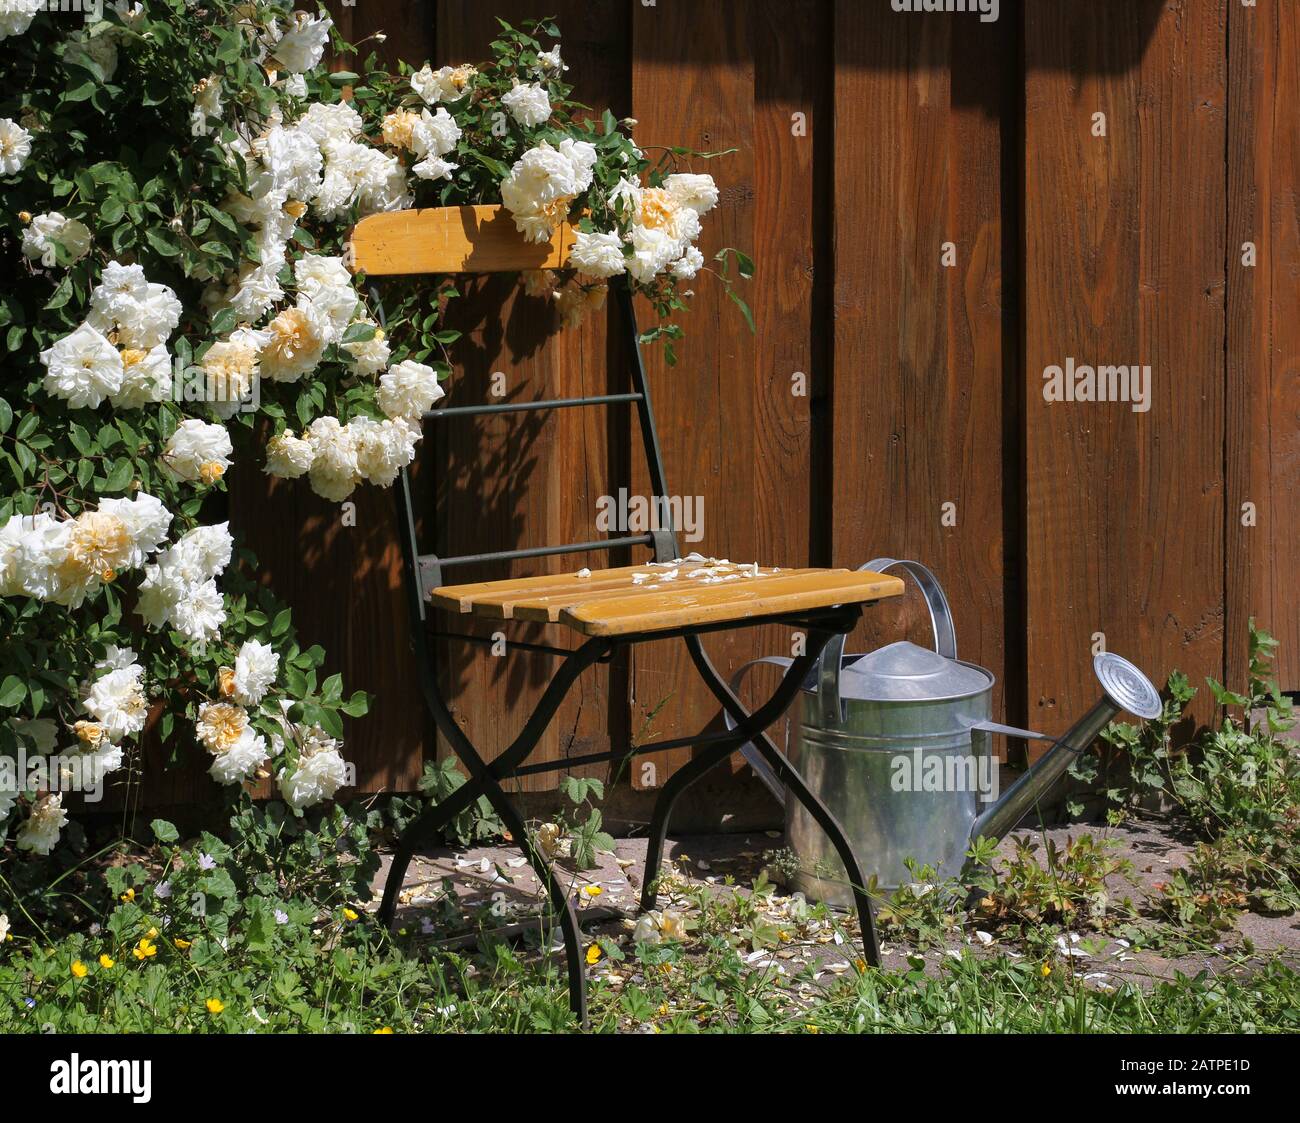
<point x="179" y="181"/>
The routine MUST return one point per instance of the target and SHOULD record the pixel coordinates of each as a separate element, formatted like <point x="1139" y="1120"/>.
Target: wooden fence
<point x="940" y="209"/>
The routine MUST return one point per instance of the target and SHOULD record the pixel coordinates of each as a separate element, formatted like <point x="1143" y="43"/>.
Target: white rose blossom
<point x="333" y="473"/>
<point x="198" y="450"/>
<point x="597" y="254"/>
<point x="445" y="84"/>
<point x="320" y="771"/>
<point x="46" y="232"/>
<point x="408" y="390"/>
<point x="15" y="146"/>
<point x="253" y="674"/>
<point x="528" y="104"/>
<point x="300" y="45"/>
<point x="40" y="833"/>
<point x="287" y="456"/>
<point x="83" y="368"/>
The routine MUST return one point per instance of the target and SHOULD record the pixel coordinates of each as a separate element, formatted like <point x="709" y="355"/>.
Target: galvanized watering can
<point x="898" y="745"/>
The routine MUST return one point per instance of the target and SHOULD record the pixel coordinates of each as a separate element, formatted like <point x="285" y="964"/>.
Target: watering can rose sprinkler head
<point x="1124" y="688"/>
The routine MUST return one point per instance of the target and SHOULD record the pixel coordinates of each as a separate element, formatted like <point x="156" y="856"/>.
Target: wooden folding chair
<point x="612" y="608"/>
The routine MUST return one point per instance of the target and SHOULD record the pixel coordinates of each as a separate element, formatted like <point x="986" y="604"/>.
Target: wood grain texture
<point x="918" y="384"/>
<point x="693" y="85"/>
<point x="1263" y="376"/>
<point x="479" y="239"/>
<point x="1124" y="265"/>
<point x="528" y="479"/>
<point x="659" y="598"/>
<point x="924" y="382"/>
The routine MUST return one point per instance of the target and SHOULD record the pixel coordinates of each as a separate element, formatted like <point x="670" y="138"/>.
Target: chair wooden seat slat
<point x="664" y="597"/>
<point x="660" y="598"/>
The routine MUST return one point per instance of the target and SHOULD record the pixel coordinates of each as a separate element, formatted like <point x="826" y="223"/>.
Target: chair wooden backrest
<point x="483" y="239"/>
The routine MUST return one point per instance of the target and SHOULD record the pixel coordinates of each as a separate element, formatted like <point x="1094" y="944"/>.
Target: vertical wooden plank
<point x="1263" y="388"/>
<point x="693" y="85"/>
<point x="921" y="101"/>
<point x="789" y="296"/>
<point x="527" y="479"/>
<point x="1124" y="265"/>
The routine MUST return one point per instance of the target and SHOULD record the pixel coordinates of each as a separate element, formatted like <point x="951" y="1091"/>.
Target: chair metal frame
<point x="424" y="572"/>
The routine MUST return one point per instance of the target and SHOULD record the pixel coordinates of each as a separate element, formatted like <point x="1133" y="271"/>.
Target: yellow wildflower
<point x="181" y="944"/>
<point x="592" y="890"/>
<point x="107" y="961"/>
<point x="351" y="914"/>
<point x="384" y="1029"/>
<point x="1047" y="969"/>
<point x="79" y="969"/>
<point x="129" y="895"/>
<point x="593" y="953"/>
<point x="215" y="1005"/>
<point x="145" y="949"/>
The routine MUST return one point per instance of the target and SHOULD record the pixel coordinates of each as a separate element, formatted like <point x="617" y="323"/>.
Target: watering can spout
<point x="1124" y="688"/>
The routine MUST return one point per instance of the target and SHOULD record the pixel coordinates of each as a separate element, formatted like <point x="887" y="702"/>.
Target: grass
<point x="346" y="977"/>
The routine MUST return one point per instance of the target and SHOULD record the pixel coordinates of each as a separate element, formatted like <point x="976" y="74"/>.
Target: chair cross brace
<point x="424" y="573"/>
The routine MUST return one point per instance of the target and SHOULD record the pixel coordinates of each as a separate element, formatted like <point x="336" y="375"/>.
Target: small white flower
<point x="301" y="44"/>
<point x="528" y="104"/>
<point x="383" y="448"/>
<point x="198" y="450"/>
<point x="333" y="473"/>
<point x="549" y="62"/>
<point x="321" y="771"/>
<point x="408" y="390"/>
<point x="146" y="377"/>
<point x="287" y="456"/>
<point x="445" y="84"/>
<point x="15" y="146"/>
<point x="696" y="192"/>
<point x="207" y="103"/>
<point x="83" y="368"/>
<point x="40" y="833"/>
<point x="369" y="356"/>
<point x="116" y="701"/>
<point x="597" y="254"/>
<point x="46" y="232"/>
<point x="146" y="521"/>
<point x="254" y="674"/>
<point x="686" y="266"/>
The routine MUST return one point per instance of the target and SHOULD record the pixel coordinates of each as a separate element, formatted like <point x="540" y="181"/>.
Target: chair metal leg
<point x="561" y="900"/>
<point x="428" y="825"/>
<point x="485" y="781"/>
<point x="822" y="814"/>
<point x="783" y="768"/>
<point x="748" y="728"/>
<point x="678" y="782"/>
<point x="433" y="820"/>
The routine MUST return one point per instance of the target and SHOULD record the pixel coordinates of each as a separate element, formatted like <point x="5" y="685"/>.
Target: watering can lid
<point x="904" y="672"/>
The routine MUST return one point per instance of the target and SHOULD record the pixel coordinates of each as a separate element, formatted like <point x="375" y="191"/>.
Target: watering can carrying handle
<point x="833" y="658"/>
<point x="827" y="673"/>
